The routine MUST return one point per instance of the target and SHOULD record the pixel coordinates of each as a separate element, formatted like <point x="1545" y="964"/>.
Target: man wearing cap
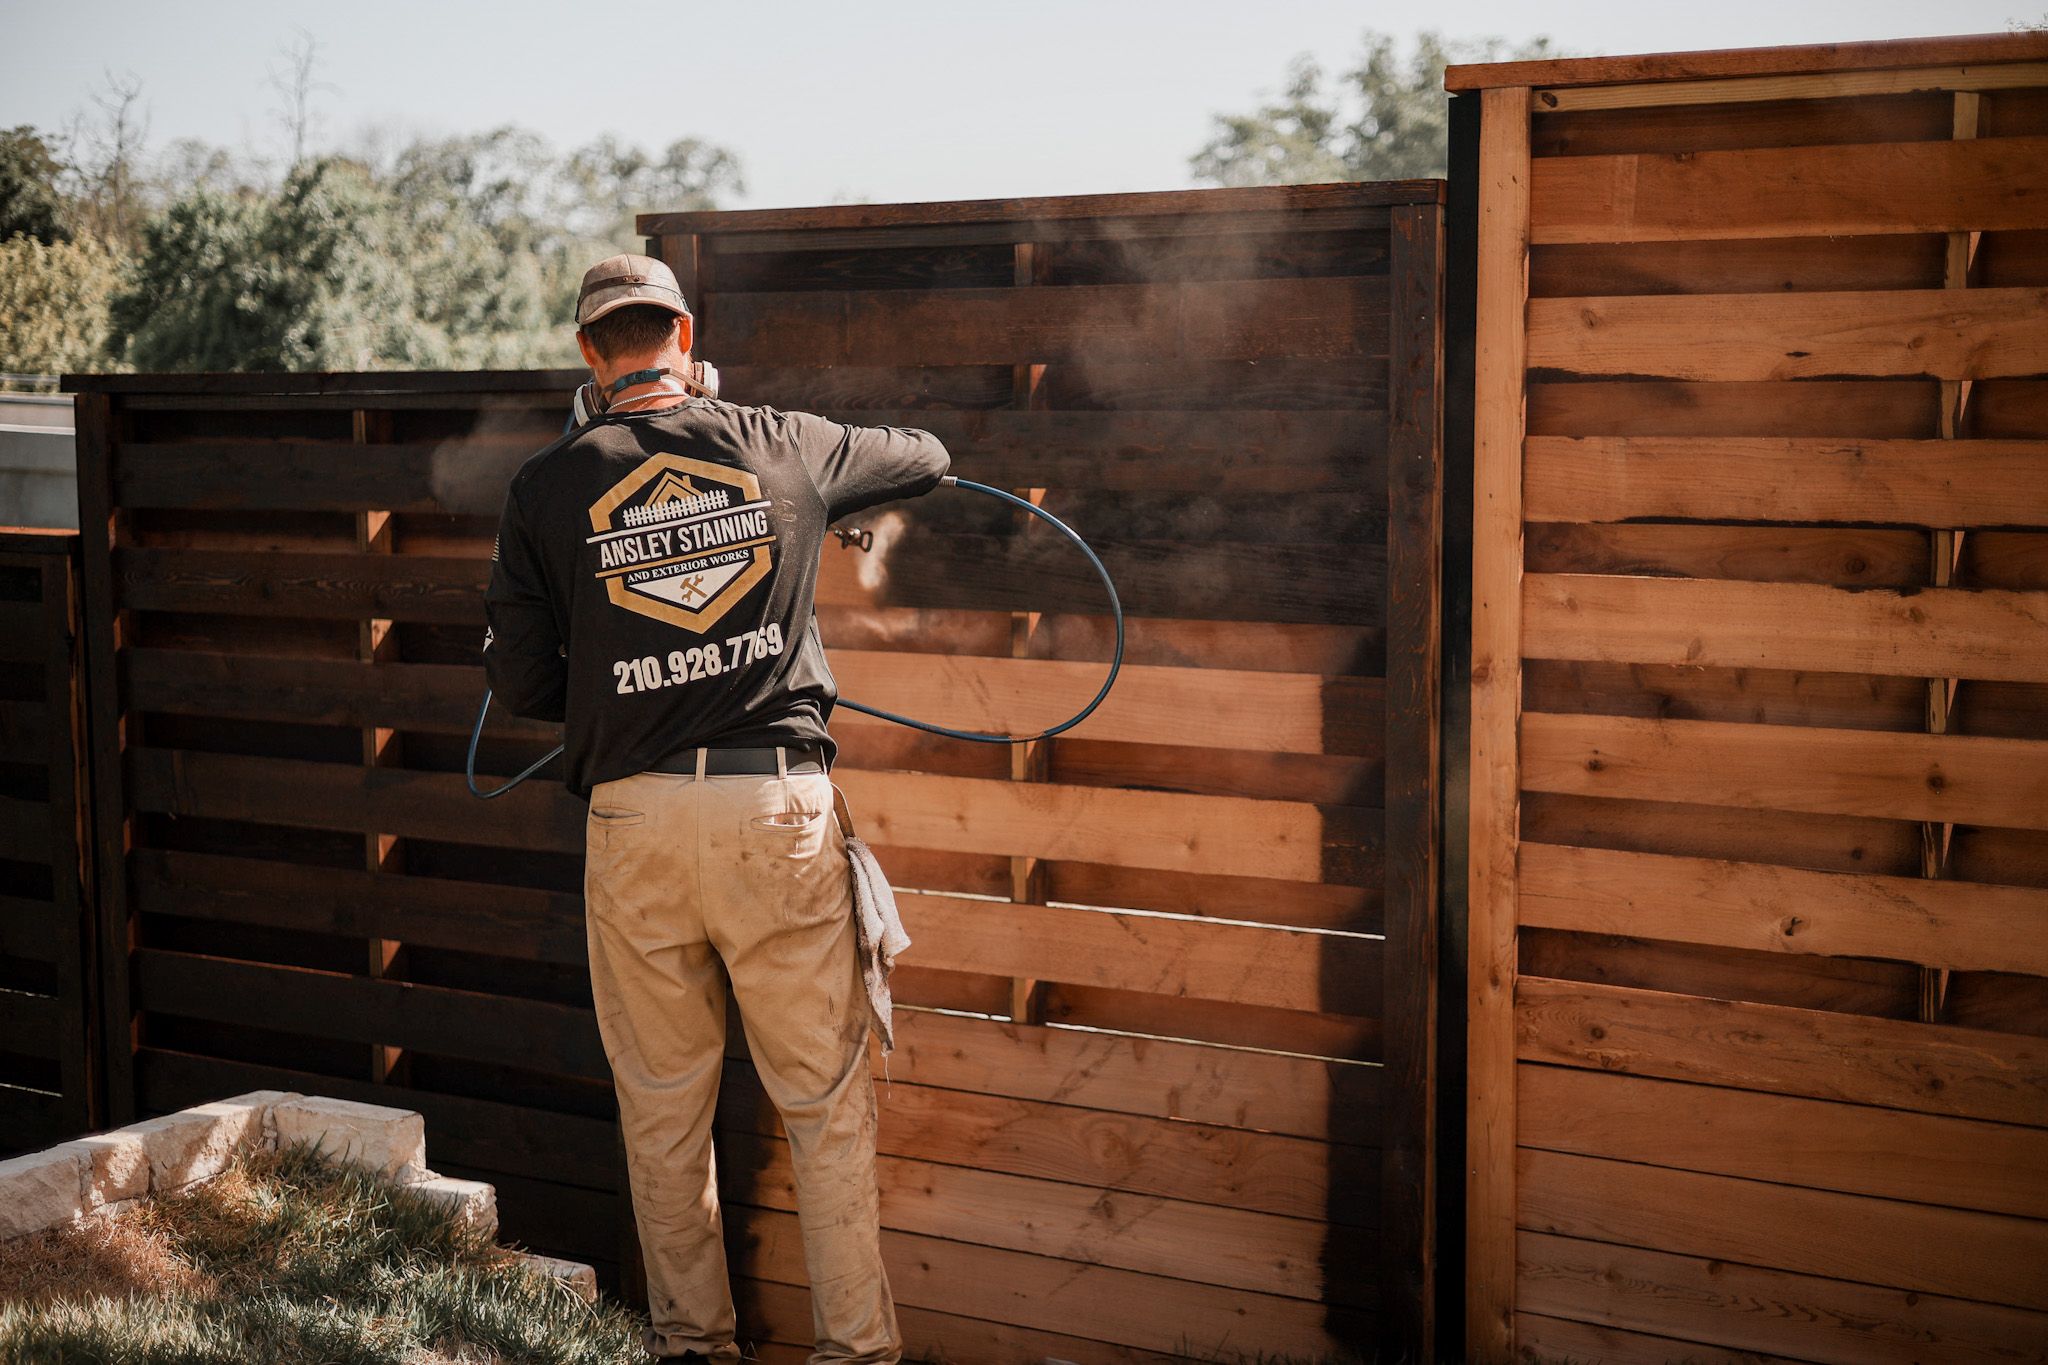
<point x="652" y="587"/>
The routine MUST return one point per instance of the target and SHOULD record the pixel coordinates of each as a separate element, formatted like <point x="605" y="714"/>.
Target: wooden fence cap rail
<point x="1047" y="209"/>
<point x="355" y="382"/>
<point x="1809" y="59"/>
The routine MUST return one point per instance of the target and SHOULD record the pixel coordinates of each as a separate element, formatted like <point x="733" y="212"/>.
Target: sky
<point x="884" y="100"/>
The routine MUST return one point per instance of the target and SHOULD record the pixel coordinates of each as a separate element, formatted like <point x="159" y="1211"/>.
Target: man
<point x="652" y="586"/>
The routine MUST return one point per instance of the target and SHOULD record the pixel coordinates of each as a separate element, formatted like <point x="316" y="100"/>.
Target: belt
<point x="771" y="761"/>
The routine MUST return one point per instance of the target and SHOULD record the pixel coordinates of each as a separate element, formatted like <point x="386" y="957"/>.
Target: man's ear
<point x="686" y="332"/>
<point x="590" y="355"/>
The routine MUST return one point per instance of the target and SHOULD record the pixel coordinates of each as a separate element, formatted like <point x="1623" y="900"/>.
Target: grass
<point x="288" y="1258"/>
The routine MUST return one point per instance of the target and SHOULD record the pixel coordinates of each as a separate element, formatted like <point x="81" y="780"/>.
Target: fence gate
<point x="1760" y="656"/>
<point x="1164" y="1084"/>
<point x="48" y="1080"/>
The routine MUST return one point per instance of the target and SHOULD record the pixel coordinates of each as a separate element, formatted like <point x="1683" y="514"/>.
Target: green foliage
<point x="459" y="253"/>
<point x="307" y="1263"/>
<point x="53" y="304"/>
<point x="29" y="202"/>
<point x="1385" y="119"/>
<point x="337" y="272"/>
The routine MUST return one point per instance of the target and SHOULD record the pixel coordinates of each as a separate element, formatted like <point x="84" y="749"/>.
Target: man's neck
<point x="649" y="395"/>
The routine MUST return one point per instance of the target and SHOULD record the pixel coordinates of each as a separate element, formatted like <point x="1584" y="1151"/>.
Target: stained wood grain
<point x="1904" y="334"/>
<point x="1844" y="701"/>
<point x="1964" y="1253"/>
<point x="1762" y="266"/>
<point x="1500" y="359"/>
<point x="1048" y="1293"/>
<point x="1818" y="85"/>
<point x="1741" y="1307"/>
<point x="1036" y="212"/>
<point x="1895" y="1064"/>
<point x="1844" y="985"/>
<point x="1718" y="63"/>
<point x="1234" y="320"/>
<point x="1934" y="632"/>
<point x="1954" y="924"/>
<point x="1976" y="185"/>
<point x="1151" y="954"/>
<point x="783" y="1313"/>
<point x="1277" y="839"/>
<point x="1288" y="1177"/>
<point x="1962" y="778"/>
<point x="363" y="1009"/>
<point x="1269" y="1092"/>
<point x="1815" y="1144"/>
<point x="1547" y="1338"/>
<point x="518" y="922"/>
<point x="1918" y="483"/>
<point x="1228" y="1248"/>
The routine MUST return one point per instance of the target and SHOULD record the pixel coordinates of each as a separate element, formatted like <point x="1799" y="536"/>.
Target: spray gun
<point x="701" y="379"/>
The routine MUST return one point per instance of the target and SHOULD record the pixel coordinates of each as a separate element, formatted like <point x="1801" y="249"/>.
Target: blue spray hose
<point x="1116" y="663"/>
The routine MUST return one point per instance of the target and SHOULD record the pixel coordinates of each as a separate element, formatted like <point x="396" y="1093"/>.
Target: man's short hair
<point x="631" y="330"/>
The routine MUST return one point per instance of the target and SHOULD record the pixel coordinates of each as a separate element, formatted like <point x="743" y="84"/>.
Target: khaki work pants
<point x="691" y="883"/>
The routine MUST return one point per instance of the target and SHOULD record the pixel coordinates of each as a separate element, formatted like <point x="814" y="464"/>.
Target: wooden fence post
<point x="1414" y="544"/>
<point x="1499" y="359"/>
<point x="94" y="420"/>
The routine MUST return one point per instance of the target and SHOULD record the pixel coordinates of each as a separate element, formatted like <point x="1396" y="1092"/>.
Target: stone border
<point x="107" y="1172"/>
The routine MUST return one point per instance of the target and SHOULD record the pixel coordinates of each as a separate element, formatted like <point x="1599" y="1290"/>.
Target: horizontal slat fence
<point x="1229" y="866"/>
<point x="49" y="1082"/>
<point x="1164" y="1044"/>
<point x="1759" y="1029"/>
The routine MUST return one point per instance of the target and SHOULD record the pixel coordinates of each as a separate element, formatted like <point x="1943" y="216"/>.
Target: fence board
<point x="1743" y="1307"/>
<point x="1958" y="925"/>
<point x="1974" y="186"/>
<point x="1150" y="954"/>
<point x="1121" y="1306"/>
<point x="1929" y="333"/>
<point x="1817" y="1144"/>
<point x="1895" y="1063"/>
<point x="1980" y="633"/>
<point x="1239" y="320"/>
<point x="1958" y="778"/>
<point x="1964" y="1253"/>
<point x="1223" y="1247"/>
<point x="1952" y="483"/>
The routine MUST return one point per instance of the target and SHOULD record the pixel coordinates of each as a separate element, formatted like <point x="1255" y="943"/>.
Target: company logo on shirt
<point x="682" y="540"/>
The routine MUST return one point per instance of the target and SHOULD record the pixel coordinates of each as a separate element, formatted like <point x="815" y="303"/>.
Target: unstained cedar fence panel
<point x="1760" y="1027"/>
<point x="1164" y="1082"/>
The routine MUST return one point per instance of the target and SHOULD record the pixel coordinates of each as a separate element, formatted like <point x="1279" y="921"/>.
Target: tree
<point x="1387" y="118"/>
<point x="30" y="204"/>
<point x="337" y="272"/>
<point x="317" y="279"/>
<point x="53" y="304"/>
<point x="295" y="86"/>
<point x="613" y="181"/>
<point x="103" y="157"/>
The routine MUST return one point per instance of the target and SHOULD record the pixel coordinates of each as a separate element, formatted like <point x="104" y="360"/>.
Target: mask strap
<point x="640" y="377"/>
